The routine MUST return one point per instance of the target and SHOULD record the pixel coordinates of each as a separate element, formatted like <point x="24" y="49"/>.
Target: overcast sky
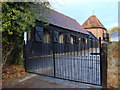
<point x="81" y="10"/>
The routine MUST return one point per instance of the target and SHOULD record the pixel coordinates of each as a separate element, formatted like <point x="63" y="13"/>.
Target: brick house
<point x="93" y="25"/>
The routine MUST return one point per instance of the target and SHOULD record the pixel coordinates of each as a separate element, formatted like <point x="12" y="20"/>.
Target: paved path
<point x="38" y="81"/>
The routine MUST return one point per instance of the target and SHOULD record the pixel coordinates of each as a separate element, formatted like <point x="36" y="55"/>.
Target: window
<point x="79" y="39"/>
<point x="56" y="38"/>
<point x="67" y="38"/>
<point x="38" y="34"/>
<point x="61" y="38"/>
<point x="25" y="37"/>
<point x="83" y="40"/>
<point x="76" y="39"/>
<point x="86" y="40"/>
<point x="46" y="37"/>
<point x="71" y="39"/>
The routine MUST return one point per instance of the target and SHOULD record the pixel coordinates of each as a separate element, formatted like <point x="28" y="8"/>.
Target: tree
<point x="114" y="29"/>
<point x="17" y="17"/>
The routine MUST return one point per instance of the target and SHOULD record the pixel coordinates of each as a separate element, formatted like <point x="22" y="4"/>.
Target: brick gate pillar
<point x="113" y="61"/>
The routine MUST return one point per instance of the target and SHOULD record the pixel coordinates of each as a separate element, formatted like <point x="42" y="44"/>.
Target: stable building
<point x="57" y="31"/>
<point x="93" y="25"/>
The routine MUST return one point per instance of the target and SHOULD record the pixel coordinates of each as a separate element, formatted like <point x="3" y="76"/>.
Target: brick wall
<point x="98" y="32"/>
<point x="113" y="65"/>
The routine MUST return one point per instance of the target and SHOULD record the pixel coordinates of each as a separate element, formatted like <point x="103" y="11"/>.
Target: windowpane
<point x="61" y="38"/>
<point x="79" y="39"/>
<point x="46" y="37"/>
<point x="71" y="39"/>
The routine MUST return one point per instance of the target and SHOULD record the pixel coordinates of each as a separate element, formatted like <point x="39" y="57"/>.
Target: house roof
<point x="60" y="20"/>
<point x="114" y="34"/>
<point x="92" y="36"/>
<point x="93" y="22"/>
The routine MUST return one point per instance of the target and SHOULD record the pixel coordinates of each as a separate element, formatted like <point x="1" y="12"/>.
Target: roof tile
<point x="93" y="22"/>
<point x="63" y="21"/>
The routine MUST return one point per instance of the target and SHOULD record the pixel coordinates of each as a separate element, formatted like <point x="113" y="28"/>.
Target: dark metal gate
<point x="71" y="61"/>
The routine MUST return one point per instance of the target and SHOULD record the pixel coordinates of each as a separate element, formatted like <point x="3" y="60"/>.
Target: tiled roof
<point x="93" y="22"/>
<point x="60" y="20"/>
<point x="114" y="34"/>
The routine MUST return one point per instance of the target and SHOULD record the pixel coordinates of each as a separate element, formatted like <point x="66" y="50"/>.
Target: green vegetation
<point x="92" y="26"/>
<point x="114" y="29"/>
<point x="17" y="17"/>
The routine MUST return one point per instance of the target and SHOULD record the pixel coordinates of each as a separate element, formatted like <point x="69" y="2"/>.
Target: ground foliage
<point x="12" y="72"/>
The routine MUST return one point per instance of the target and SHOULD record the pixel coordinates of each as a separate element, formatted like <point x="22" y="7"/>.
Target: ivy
<point x="18" y="17"/>
<point x="92" y="26"/>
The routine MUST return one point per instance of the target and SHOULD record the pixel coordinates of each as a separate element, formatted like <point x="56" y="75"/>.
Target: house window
<point x="61" y="38"/>
<point x="46" y="37"/>
<point x="38" y="34"/>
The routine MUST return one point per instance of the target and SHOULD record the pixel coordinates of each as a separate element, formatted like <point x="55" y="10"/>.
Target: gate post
<point x="25" y="56"/>
<point x="104" y="65"/>
<point x="53" y="47"/>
